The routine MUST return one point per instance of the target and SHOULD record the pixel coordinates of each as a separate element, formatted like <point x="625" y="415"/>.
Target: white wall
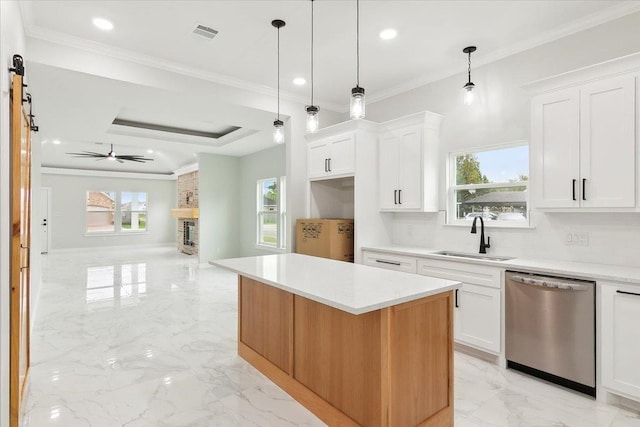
<point x="67" y="223"/>
<point x="503" y="115"/>
<point x="12" y="41"/>
<point x="219" y="193"/>
<point x="269" y="163"/>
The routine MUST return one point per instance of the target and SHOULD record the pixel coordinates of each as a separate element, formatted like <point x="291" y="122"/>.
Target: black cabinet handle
<point x="329" y="164"/>
<point x="399" y="197"/>
<point x="395" y="197"/>
<point x="584" y="195"/>
<point x="628" y="293"/>
<point x="456" y="298"/>
<point x="381" y="261"/>
<point x="573" y="188"/>
<point x="325" y="165"/>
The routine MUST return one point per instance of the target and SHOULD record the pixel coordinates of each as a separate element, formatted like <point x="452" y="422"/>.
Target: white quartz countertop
<point x="573" y="269"/>
<point x="354" y="288"/>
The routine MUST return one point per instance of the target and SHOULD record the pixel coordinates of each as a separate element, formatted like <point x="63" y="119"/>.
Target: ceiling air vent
<point x="205" y="32"/>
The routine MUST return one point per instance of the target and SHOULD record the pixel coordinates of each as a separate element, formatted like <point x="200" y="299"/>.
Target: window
<point x="490" y="183"/>
<point x="271" y="212"/>
<point x="116" y="211"/>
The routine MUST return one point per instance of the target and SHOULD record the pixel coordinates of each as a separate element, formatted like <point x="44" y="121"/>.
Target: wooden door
<point x="20" y="255"/>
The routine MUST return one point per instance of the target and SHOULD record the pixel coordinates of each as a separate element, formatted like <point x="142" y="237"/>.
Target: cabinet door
<point x="317" y="158"/>
<point x="477" y="317"/>
<point x="607" y="143"/>
<point x="555" y="149"/>
<point x="342" y="155"/>
<point x="410" y="168"/>
<point x="620" y="317"/>
<point x="388" y="172"/>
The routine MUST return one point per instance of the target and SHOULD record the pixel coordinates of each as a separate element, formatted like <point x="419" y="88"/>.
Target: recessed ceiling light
<point x="299" y="81"/>
<point x="56" y="141"/>
<point x="388" y="34"/>
<point x="149" y="151"/>
<point x="103" y="24"/>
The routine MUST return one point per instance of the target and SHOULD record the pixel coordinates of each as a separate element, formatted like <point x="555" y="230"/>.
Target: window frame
<point x="280" y="244"/>
<point x="452" y="187"/>
<point x="117" y="215"/>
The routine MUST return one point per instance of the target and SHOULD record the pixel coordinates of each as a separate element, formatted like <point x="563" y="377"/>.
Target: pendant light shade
<point x="312" y="123"/>
<point x="356" y="104"/>
<point x="278" y="125"/>
<point x="469" y="86"/>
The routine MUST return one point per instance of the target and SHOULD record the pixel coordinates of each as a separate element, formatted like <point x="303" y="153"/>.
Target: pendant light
<point x="356" y="106"/>
<point x="468" y="87"/>
<point x="312" y="110"/>
<point x="278" y="125"/>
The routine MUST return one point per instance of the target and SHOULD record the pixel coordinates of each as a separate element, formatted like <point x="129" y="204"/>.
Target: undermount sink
<point x="473" y="256"/>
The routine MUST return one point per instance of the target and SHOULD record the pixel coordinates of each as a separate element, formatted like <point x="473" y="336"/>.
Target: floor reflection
<point x="116" y="285"/>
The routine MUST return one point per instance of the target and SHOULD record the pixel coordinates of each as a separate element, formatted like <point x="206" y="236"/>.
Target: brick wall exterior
<point x="187" y="185"/>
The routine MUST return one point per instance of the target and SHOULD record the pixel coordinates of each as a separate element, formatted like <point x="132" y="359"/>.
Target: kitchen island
<point x="356" y="345"/>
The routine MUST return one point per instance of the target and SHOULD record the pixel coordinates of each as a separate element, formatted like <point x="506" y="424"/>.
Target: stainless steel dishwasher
<point x="550" y="329"/>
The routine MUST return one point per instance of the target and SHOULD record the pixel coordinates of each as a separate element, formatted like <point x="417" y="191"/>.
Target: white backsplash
<point x="613" y="238"/>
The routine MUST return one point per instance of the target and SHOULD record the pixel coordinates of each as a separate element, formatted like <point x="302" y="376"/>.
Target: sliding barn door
<point x="20" y="253"/>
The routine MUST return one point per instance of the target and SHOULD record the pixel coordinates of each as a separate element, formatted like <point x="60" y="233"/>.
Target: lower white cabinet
<point x="620" y="338"/>
<point x="390" y="261"/>
<point x="478" y="305"/>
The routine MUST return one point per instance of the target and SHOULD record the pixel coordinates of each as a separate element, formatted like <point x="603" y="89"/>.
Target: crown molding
<point x="193" y="167"/>
<point x="589" y="21"/>
<point x="107" y="174"/>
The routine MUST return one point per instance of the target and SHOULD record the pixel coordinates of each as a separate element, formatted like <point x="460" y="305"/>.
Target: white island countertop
<point x="353" y="288"/>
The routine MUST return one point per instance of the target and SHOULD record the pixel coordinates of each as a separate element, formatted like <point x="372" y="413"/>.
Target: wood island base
<point x="387" y="367"/>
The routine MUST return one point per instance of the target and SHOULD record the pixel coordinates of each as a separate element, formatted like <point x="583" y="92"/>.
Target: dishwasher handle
<point x="549" y="283"/>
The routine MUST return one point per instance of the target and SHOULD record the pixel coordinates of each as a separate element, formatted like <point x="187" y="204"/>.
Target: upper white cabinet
<point x="408" y="163"/>
<point x="331" y="157"/>
<point x="620" y="320"/>
<point x="583" y="145"/>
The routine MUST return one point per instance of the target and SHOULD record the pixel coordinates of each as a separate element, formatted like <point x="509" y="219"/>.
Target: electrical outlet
<point x="577" y="238"/>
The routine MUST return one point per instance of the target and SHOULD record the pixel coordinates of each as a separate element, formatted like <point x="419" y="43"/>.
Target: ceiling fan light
<point x="357" y="104"/>
<point x="278" y="132"/>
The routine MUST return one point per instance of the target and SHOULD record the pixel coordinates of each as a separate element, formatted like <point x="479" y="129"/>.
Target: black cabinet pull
<point x="399" y="197"/>
<point x="456" y="298"/>
<point x="395" y="197"/>
<point x="628" y="293"/>
<point x="573" y="188"/>
<point x="325" y="165"/>
<point x="381" y="261"/>
<point x="329" y="164"/>
<point x="584" y="195"/>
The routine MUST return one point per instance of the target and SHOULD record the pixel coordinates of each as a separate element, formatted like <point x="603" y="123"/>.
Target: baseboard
<point x="471" y="351"/>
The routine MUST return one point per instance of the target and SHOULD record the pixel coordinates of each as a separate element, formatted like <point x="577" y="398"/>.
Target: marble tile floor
<point x="147" y="337"/>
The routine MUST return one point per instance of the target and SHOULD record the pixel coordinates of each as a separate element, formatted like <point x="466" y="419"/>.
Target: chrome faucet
<point x="483" y="245"/>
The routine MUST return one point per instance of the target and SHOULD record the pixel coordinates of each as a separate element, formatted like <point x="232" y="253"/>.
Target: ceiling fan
<point x="112" y="156"/>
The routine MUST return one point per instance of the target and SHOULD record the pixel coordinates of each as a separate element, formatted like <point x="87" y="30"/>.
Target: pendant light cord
<point x="357" y="43"/>
<point x="278" y="73"/>
<point x="311" y="52"/>
<point x="469" y="70"/>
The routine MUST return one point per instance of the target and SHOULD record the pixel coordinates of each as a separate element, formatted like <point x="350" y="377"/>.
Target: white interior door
<point x="45" y="200"/>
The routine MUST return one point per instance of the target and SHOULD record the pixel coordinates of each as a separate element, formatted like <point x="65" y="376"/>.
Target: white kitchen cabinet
<point x="478" y="303"/>
<point x="390" y="261"/>
<point x="331" y="157"/>
<point x="620" y="343"/>
<point x="408" y="164"/>
<point x="583" y="146"/>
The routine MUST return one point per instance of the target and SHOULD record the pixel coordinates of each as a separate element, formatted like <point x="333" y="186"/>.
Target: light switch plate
<point x="577" y="238"/>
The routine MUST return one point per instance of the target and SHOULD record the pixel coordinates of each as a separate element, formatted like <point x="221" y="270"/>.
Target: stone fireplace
<point x="187" y="230"/>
